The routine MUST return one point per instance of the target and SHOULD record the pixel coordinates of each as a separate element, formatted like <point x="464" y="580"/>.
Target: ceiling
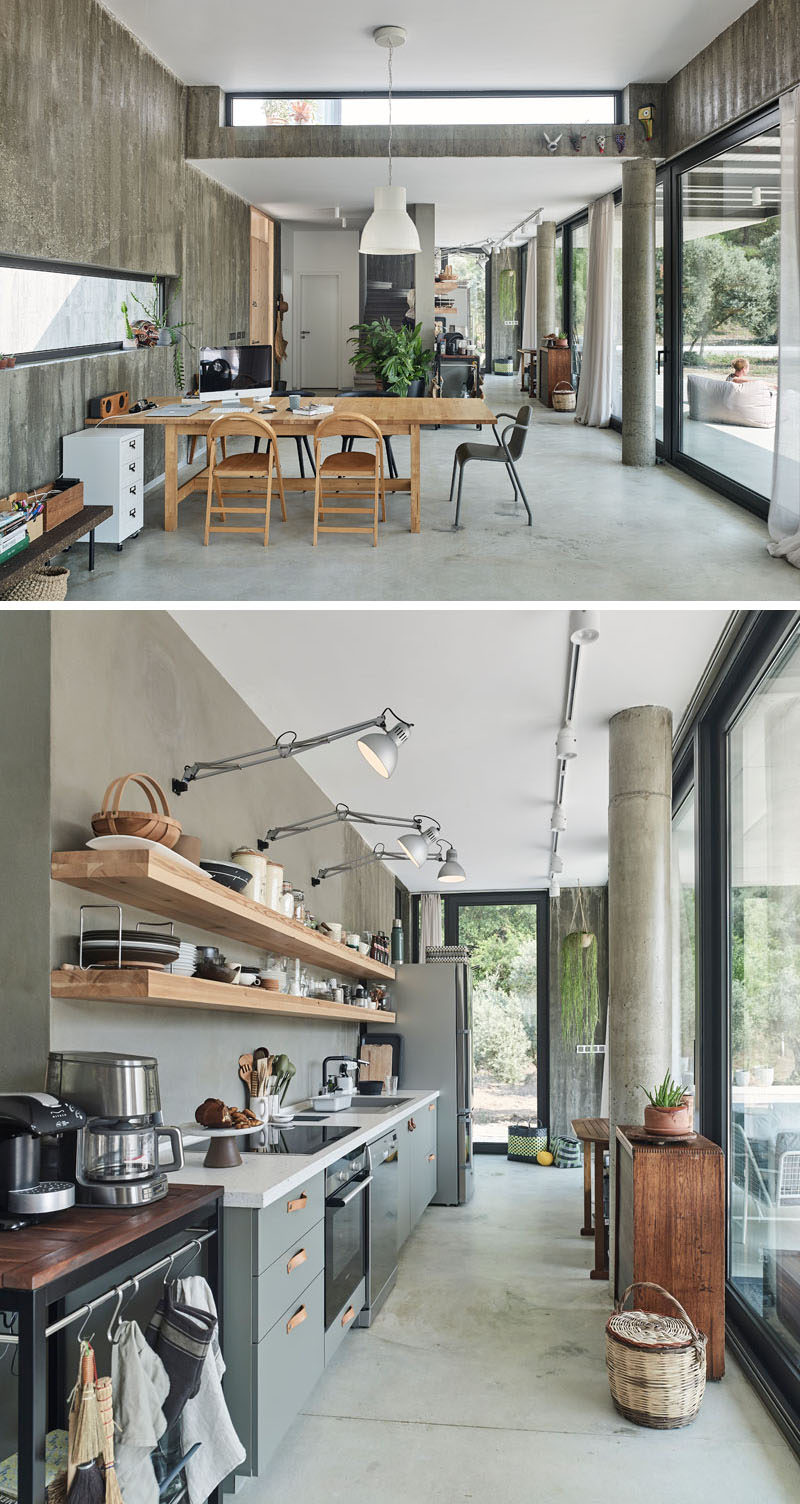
<point x="531" y="44"/>
<point x="475" y="198"/>
<point x="485" y="690"/>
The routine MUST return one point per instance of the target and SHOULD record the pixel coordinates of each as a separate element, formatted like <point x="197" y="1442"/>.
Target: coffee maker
<point x="116" y="1161"/>
<point x="25" y="1118"/>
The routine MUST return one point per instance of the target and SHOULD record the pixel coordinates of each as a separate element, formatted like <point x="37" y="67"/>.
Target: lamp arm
<point x="299" y="828"/>
<point x="288" y="744"/>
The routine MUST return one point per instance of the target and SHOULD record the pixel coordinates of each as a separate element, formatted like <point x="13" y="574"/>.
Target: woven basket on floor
<point x="45" y="584"/>
<point x="656" y="1364"/>
<point x="564" y="397"/>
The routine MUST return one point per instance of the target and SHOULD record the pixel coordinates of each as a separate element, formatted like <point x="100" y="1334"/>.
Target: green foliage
<point x="668" y="1094"/>
<point x="152" y="312"/>
<point x="765" y="979"/>
<point x="507" y="294"/>
<point x="497" y="934"/>
<point x="396" y="356"/>
<point x="730" y="287"/>
<point x="500" y="1040"/>
<point x="580" y="1001"/>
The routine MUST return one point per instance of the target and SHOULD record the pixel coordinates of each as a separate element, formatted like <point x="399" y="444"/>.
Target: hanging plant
<point x="580" y="998"/>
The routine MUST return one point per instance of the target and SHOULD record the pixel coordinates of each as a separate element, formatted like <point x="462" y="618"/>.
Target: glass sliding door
<point x="764" y="1005"/>
<point x="560" y="315"/>
<point x="661" y="359"/>
<point x="684" y="949"/>
<point x="616" y="392"/>
<point x="729" y="250"/>
<point x="506" y="935"/>
<point x="578" y="271"/>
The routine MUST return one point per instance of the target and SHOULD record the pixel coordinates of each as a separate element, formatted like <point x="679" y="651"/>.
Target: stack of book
<point x="13" y="534"/>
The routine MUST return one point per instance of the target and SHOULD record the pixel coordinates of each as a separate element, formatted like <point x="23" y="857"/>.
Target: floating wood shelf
<point x="152" y="882"/>
<point x="162" y="989"/>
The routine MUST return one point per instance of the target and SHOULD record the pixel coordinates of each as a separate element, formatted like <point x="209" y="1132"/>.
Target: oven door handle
<point x="351" y="1195"/>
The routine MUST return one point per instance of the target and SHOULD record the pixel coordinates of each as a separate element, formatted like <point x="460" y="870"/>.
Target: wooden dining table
<point x="393" y="415"/>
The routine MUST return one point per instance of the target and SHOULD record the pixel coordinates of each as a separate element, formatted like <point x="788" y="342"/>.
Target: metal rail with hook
<point x="84" y="1312"/>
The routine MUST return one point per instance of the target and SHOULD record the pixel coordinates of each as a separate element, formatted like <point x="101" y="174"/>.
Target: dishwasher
<point x="382" y="1243"/>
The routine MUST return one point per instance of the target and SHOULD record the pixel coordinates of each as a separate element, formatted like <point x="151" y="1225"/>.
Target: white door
<point x="319" y="330"/>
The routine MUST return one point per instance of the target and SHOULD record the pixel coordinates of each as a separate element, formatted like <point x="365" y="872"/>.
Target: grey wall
<point x="92" y="172"/>
<point x="160" y="703"/>
<point x="747" y="66"/>
<point x="575" y="1080"/>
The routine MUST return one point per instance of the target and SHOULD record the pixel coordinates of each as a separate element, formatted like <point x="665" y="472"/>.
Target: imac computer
<point x="235" y="371"/>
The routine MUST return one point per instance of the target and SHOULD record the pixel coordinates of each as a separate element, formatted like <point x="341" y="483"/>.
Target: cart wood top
<point x="591" y="1130"/>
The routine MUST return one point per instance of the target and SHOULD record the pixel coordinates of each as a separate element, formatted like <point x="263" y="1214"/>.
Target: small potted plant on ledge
<point x="396" y="357"/>
<point x="669" y="1113"/>
<point x="562" y="341"/>
<point x="156" y="328"/>
<point x="7" y="362"/>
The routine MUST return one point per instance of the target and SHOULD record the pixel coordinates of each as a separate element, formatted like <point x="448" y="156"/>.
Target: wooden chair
<point x="238" y="468"/>
<point x="348" y="465"/>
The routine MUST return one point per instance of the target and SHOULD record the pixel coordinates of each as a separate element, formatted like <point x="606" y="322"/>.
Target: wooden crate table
<point x="393" y="415"/>
<point x="554" y="366"/>
<point x="593" y="1135"/>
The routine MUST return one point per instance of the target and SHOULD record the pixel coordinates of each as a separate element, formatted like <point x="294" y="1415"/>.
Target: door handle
<point x="296" y="1259"/>
<point x="296" y="1319"/>
<point x="431" y="1158"/>
<point x="348" y="1316"/>
<point x="660" y="355"/>
<point x="299" y="1205"/>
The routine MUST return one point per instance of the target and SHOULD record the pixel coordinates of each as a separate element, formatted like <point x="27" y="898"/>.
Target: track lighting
<point x="566" y="743"/>
<point x="556" y="863"/>
<point x="558" y="819"/>
<point x="451" y="871"/>
<point x="555" y="888"/>
<point x="379" y="749"/>
<point x="583" y="628"/>
<point x="416" y="844"/>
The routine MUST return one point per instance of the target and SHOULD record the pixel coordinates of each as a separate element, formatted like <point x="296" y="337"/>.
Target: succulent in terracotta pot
<point x="669" y="1111"/>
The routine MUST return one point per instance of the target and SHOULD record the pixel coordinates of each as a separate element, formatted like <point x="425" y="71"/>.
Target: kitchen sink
<point x="377" y="1104"/>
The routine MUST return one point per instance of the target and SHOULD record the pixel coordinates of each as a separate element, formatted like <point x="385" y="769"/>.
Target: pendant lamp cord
<point x="391" y="52"/>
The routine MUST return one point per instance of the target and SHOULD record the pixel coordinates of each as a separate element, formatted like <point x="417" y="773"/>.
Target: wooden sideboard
<point x="554" y="365"/>
<point x="670" y="1228"/>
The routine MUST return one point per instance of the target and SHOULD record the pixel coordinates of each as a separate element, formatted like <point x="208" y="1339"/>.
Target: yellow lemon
<point x="544" y="1157"/>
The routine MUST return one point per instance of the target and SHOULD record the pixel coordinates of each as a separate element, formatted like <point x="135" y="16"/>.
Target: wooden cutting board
<point x="380" y="1061"/>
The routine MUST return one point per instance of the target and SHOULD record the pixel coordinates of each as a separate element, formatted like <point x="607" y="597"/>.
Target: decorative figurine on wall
<point x="619" y="139"/>
<point x="552" y="143"/>
<point x="601" y="144"/>
<point x="647" y="114"/>
<point x="576" y="141"/>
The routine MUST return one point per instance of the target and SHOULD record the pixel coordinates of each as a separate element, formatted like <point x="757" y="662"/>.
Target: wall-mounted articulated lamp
<point x="413" y="825"/>
<point x="445" y="854"/>
<point x="379" y="747"/>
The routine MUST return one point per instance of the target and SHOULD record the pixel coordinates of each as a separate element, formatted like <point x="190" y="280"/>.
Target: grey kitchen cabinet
<point x="417" y="1151"/>
<point x="343" y="1321"/>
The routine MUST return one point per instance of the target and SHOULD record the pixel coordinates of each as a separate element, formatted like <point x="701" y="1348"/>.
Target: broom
<point x="113" y="1493"/>
<point x="85" y="1484"/>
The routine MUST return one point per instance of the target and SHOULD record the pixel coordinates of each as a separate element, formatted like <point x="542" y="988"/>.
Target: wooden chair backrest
<point x="249" y="425"/>
<point x="341" y="425"/>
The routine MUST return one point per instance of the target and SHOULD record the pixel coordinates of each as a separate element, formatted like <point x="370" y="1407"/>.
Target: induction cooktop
<point x="299" y="1138"/>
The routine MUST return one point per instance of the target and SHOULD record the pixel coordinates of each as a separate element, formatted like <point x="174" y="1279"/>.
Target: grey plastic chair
<point x="506" y="452"/>
<point x="387" y="443"/>
<point x="300" y="440"/>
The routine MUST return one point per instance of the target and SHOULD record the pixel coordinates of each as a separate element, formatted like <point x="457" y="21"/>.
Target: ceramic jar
<point x="256" y="864"/>
<point x="273" y="885"/>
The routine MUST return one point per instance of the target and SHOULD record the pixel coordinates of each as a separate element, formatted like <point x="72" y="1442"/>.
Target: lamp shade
<point x="416" y="844"/>
<point x="380" y="748"/>
<point x="451" y="870"/>
<point x="389" y="231"/>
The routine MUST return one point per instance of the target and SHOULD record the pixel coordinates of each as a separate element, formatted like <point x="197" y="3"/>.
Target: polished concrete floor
<point x="483" y="1379"/>
<point x="601" y="532"/>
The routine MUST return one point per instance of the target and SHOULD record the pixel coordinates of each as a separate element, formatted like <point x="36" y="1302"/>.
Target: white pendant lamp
<point x="416" y="844"/>
<point x="389" y="231"/>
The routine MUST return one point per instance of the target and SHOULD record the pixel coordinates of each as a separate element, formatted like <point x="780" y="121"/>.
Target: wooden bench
<point x="54" y="542"/>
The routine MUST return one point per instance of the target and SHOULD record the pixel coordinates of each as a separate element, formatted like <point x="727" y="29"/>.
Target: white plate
<point x="139" y="843"/>
<point x="197" y="1131"/>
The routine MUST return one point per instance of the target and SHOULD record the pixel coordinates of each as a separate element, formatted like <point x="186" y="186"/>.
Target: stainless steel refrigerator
<point x="434" y="1017"/>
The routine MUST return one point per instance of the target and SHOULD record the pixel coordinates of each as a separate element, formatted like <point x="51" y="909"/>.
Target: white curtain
<point x="597" y="364"/>
<point x="529" y="337"/>
<point x="430" y="922"/>
<point x="784" y="512"/>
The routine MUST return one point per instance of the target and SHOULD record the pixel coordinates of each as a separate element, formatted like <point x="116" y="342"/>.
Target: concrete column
<point x="424" y="217"/>
<point x="639" y="929"/>
<point x="639" y="312"/>
<point x="546" y="280"/>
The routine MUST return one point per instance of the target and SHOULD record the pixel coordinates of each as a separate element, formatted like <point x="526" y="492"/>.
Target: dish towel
<point x="140" y="1386"/>
<point x="205" y="1417"/>
<point x="181" y="1335"/>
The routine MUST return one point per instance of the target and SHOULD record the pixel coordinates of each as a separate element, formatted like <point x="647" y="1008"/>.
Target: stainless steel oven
<point x="346" y="1228"/>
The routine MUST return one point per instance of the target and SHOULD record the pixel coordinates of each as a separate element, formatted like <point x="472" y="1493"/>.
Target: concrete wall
<point x="576" y="1080"/>
<point x="92" y="172"/>
<point x="160" y="702"/>
<point x="747" y="66"/>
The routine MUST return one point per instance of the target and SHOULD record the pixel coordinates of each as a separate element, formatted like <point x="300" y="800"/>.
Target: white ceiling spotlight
<point x="556" y="863"/>
<point x="566" y="743"/>
<point x="390" y="230"/>
<point x="555" y="888"/>
<point x="583" y="628"/>
<point x="558" y="819"/>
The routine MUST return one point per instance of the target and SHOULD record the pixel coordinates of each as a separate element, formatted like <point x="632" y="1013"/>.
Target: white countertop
<point x="262" y="1178"/>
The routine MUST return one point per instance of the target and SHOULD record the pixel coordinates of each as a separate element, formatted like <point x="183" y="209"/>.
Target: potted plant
<point x="396" y="357"/>
<point x="7" y="362"/>
<point x="562" y="341"/>
<point x="157" y="328"/>
<point x="669" y="1113"/>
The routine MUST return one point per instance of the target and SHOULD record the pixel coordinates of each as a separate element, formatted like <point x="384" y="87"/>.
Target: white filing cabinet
<point x="110" y="462"/>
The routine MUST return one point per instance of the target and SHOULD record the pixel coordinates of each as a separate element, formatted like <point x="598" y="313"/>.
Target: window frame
<point x="76" y="269"/>
<point x="234" y="94"/>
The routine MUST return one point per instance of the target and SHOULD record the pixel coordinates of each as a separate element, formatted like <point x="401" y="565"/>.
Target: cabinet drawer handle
<point x="299" y="1204"/>
<point x="411" y="1125"/>
<point x="296" y="1319"/>
<point x="297" y="1258"/>
<point x="431" y="1107"/>
<point x="349" y="1316"/>
<point x="431" y="1158"/>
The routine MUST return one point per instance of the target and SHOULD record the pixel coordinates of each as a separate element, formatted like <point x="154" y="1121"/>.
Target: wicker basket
<point x="564" y="397"/>
<point x="656" y="1364"/>
<point x="155" y="824"/>
<point x="45" y="584"/>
